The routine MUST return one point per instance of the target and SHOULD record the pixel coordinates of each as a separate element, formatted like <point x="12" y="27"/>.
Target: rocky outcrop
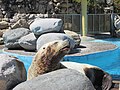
<point x="46" y="25"/>
<point x="64" y="79"/>
<point x="75" y="36"/>
<point x="9" y="7"/>
<point x="11" y="37"/>
<point x="38" y="27"/>
<point x="12" y="72"/>
<point x="21" y="13"/>
<point x="45" y="38"/>
<point x="28" y="42"/>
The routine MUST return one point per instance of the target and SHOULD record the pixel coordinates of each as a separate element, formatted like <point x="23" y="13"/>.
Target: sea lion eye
<point x="56" y="43"/>
<point x="43" y="47"/>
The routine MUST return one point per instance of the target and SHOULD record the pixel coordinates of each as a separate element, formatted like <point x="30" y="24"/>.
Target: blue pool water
<point x="107" y="60"/>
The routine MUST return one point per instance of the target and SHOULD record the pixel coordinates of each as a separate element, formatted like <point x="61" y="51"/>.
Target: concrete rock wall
<point x="9" y="7"/>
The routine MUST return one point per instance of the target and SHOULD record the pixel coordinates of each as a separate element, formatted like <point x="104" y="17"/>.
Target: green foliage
<point x="116" y="6"/>
<point x="94" y="6"/>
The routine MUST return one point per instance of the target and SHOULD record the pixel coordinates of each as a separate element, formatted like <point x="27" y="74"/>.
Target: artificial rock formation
<point x="46" y="38"/>
<point x="46" y="25"/>
<point x="28" y="42"/>
<point x="63" y="79"/>
<point x="9" y="7"/>
<point x="11" y="37"/>
<point x="12" y="72"/>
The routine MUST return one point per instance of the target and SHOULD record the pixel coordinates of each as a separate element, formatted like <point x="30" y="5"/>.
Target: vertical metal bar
<point x="72" y="22"/>
<point x="64" y="19"/>
<point x="105" y="22"/>
<point x="93" y="22"/>
<point x="99" y="22"/>
<point x="88" y="29"/>
<point x="80" y="23"/>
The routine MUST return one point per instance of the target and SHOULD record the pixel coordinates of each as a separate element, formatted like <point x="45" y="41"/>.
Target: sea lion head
<point x="51" y="53"/>
<point x="48" y="57"/>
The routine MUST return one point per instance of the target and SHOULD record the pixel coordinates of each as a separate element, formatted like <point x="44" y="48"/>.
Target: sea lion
<point x="100" y="79"/>
<point x="47" y="58"/>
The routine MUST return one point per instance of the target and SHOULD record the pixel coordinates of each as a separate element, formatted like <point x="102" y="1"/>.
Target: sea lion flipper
<point x="106" y="82"/>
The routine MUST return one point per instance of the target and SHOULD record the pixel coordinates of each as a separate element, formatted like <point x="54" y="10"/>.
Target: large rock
<point x="11" y="37"/>
<point x="12" y="72"/>
<point x="40" y="26"/>
<point x="28" y="42"/>
<point x="75" y="36"/>
<point x="45" y="38"/>
<point x="64" y="79"/>
<point x="4" y="25"/>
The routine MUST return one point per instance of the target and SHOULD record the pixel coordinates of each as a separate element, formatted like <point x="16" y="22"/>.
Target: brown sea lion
<point x="47" y="58"/>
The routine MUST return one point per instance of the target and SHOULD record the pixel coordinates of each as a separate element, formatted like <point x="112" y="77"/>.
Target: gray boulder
<point x="12" y="72"/>
<point x="11" y="37"/>
<point x="45" y="38"/>
<point x="40" y="26"/>
<point x="63" y="79"/>
<point x="28" y="42"/>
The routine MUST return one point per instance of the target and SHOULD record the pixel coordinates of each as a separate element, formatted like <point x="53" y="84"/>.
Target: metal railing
<point x="97" y="23"/>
